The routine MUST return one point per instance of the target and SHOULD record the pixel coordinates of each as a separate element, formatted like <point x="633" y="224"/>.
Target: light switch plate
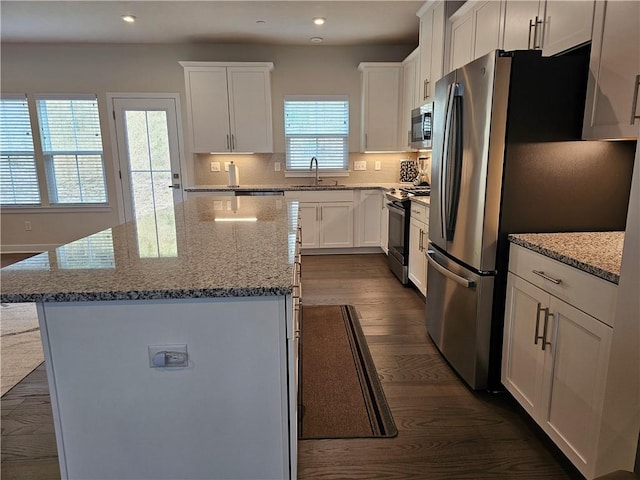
<point x="226" y="166"/>
<point x="378" y="166"/>
<point x="360" y="165"/>
<point x="277" y="166"/>
<point x="215" y="166"/>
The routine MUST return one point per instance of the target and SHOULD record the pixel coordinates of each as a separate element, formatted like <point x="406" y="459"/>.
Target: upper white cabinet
<point x="612" y="109"/>
<point x="551" y="26"/>
<point x="566" y="24"/>
<point x="522" y="25"/>
<point x="409" y="98"/>
<point x="229" y="106"/>
<point x="557" y="339"/>
<point x="381" y="84"/>
<point x="431" y="61"/>
<point x="475" y="31"/>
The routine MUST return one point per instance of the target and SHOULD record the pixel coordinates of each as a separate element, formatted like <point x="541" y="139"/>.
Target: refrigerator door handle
<point x="452" y="150"/>
<point x="445" y="159"/>
<point x="465" y="282"/>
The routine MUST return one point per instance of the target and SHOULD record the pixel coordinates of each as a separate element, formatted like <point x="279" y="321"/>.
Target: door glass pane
<point x="150" y="173"/>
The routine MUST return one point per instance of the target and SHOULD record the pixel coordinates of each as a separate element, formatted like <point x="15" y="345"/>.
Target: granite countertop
<point x="194" y="254"/>
<point x="296" y="187"/>
<point x="597" y="253"/>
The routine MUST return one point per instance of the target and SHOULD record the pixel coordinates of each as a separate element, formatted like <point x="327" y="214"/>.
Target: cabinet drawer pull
<point x="547" y="277"/>
<point x="635" y="101"/>
<point x="228" y="144"/>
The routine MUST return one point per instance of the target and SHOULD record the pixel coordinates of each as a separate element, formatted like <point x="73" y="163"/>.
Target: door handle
<point x="175" y="185"/>
<point x="537" y="337"/>
<point x="535" y="35"/>
<point x="465" y="282"/>
<point x="531" y="26"/>
<point x="635" y="101"/>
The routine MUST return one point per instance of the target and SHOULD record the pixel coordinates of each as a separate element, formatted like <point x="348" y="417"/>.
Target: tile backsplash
<point x="259" y="169"/>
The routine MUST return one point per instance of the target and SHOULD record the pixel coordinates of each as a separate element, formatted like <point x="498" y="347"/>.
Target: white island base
<point x="229" y="415"/>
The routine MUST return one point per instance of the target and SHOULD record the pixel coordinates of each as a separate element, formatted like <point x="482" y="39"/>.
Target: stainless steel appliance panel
<point x="468" y="150"/>
<point x="398" y="241"/>
<point x="465" y="301"/>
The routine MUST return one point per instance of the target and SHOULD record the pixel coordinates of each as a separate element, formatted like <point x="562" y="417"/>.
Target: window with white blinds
<point x="317" y="127"/>
<point x="72" y="148"/>
<point x="18" y="175"/>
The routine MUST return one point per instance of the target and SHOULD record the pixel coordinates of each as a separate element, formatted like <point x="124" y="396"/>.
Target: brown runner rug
<point x="340" y="394"/>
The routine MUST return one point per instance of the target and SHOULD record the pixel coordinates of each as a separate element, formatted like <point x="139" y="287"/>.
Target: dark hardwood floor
<point x="445" y="430"/>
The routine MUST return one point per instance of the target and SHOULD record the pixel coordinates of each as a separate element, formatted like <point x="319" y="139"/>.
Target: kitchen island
<point x="216" y="286"/>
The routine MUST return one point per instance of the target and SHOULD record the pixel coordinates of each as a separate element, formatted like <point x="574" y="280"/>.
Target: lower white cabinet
<point x="368" y="221"/>
<point x="327" y="225"/>
<point x="555" y="357"/>
<point x="418" y="239"/>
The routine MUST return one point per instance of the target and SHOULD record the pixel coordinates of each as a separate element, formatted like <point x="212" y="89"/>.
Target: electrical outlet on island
<point x="360" y="165"/>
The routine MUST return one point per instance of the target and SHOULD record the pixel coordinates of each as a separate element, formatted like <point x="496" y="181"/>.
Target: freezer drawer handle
<point x="465" y="282"/>
<point x="547" y="277"/>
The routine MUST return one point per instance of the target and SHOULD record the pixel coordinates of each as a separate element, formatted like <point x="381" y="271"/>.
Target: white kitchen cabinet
<point x="520" y="19"/>
<point x="418" y="239"/>
<point x="431" y="61"/>
<point x="384" y="227"/>
<point x="612" y="109"/>
<point x="326" y="218"/>
<point x="555" y="354"/>
<point x="475" y="31"/>
<point x="551" y="26"/>
<point x="381" y="101"/>
<point x="229" y="106"/>
<point x="566" y="25"/>
<point x="368" y="219"/>
<point x="409" y="98"/>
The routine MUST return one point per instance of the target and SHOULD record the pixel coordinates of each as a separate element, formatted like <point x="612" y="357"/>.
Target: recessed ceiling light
<point x="319" y="20"/>
<point x="128" y="18"/>
<point x="316" y="39"/>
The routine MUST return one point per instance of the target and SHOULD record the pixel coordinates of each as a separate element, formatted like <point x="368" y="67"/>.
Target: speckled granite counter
<point x="187" y="255"/>
<point x="286" y="188"/>
<point x="597" y="253"/>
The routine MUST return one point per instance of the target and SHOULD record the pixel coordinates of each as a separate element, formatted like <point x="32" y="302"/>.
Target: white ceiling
<point x="230" y="21"/>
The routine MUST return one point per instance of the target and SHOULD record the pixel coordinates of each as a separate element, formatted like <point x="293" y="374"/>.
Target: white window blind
<point x="72" y="148"/>
<point x="317" y="127"/>
<point x="18" y="176"/>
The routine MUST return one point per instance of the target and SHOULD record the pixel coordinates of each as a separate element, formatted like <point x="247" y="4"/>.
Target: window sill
<point x="70" y="208"/>
<point x="311" y="174"/>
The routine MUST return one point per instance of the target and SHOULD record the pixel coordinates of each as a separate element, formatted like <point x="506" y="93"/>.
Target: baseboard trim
<point x="29" y="248"/>
<point x="340" y="251"/>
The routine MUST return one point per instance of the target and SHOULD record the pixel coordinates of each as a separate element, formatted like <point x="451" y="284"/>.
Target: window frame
<point x="38" y="177"/>
<point x="47" y="157"/>
<point x="322" y="172"/>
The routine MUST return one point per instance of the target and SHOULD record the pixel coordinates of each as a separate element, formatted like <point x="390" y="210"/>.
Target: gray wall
<point x="36" y="68"/>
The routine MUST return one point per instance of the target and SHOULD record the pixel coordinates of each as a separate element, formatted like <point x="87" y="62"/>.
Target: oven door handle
<point x="396" y="209"/>
<point x="465" y="282"/>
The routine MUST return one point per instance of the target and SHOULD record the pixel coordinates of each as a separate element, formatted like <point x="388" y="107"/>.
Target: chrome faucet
<point x="314" y="159"/>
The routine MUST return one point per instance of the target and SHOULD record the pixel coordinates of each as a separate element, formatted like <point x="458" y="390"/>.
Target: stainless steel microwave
<point x="422" y="126"/>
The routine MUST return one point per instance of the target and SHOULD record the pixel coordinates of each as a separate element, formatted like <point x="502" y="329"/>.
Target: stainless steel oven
<point x="398" y="256"/>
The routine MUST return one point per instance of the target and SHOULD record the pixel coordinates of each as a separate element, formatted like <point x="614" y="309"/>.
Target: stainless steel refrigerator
<point x="500" y="165"/>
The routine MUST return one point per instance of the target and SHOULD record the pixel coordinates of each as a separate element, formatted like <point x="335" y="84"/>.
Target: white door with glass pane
<point x="149" y="169"/>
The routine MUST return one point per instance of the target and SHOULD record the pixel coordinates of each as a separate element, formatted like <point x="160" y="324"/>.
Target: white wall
<point x="31" y="69"/>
